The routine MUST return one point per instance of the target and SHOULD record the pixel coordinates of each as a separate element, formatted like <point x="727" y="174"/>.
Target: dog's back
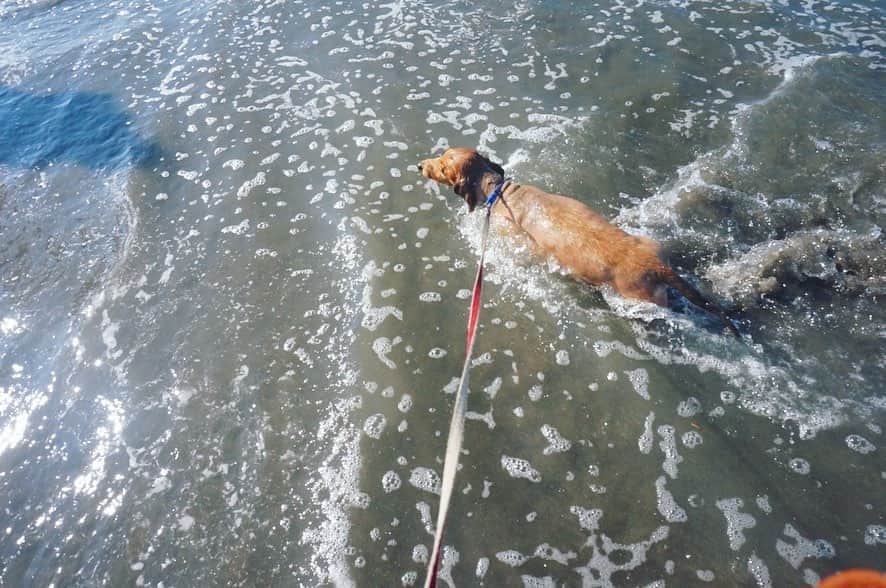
<point x="591" y="248"/>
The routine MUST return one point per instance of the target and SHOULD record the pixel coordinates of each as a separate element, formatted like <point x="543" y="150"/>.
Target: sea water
<point x="232" y="311"/>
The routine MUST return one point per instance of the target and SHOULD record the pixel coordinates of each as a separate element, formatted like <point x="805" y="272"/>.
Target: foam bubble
<point x="798" y="465"/>
<point x="588" y="518"/>
<point x="874" y="535"/>
<point x="430" y="297"/>
<point x="611" y="557"/>
<point x="639" y="379"/>
<point x="374" y="425"/>
<point x="424" y="511"/>
<point x="420" y="554"/>
<point x="534" y="582"/>
<point x="239" y="229"/>
<point x="482" y="567"/>
<point x="556" y="443"/>
<point x="390" y="482"/>
<point x="668" y="446"/>
<point x="705" y="575"/>
<point x="549" y="553"/>
<point x="692" y="439"/>
<point x="810" y="577"/>
<point x="425" y="479"/>
<point x="382" y="346"/>
<point x="736" y="521"/>
<point x="667" y="506"/>
<point x="859" y="444"/>
<point x="645" y="441"/>
<point x="375" y="316"/>
<point x="760" y="571"/>
<point x="450" y="558"/>
<point x="249" y="185"/>
<point x="802" y="548"/>
<point x="485" y="417"/>
<point x="604" y="348"/>
<point x="520" y="468"/>
<point x="511" y="558"/>
<point x="492" y="389"/>
<point x="689" y="407"/>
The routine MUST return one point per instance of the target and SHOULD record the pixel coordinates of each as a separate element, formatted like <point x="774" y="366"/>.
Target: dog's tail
<point x="670" y="277"/>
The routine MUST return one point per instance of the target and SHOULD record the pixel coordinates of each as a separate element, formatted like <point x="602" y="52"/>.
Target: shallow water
<point x="231" y="316"/>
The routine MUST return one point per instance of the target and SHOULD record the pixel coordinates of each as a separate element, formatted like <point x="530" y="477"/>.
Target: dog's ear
<point x="459" y="187"/>
<point x="497" y="168"/>
<point x="463" y="189"/>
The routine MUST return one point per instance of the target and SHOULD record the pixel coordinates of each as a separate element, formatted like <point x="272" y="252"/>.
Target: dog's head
<point x="463" y="169"/>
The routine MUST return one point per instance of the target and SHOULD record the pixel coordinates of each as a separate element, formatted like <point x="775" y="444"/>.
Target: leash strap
<point x="457" y="425"/>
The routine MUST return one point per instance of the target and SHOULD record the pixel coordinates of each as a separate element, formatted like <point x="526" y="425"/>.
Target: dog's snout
<point x="421" y="165"/>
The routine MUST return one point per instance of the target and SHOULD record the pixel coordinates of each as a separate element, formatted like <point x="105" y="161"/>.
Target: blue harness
<point x="495" y="193"/>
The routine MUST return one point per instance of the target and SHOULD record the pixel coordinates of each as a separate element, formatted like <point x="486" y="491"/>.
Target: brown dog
<point x="586" y="245"/>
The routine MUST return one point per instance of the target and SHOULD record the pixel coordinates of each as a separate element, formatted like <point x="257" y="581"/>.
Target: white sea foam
<point x="646" y="439"/>
<point x="798" y="465"/>
<point x="689" y="407"/>
<point x="425" y="479"/>
<point x="668" y="446"/>
<point x="482" y="567"/>
<point x="390" y="482"/>
<point x="374" y="426"/>
<point x="520" y="468"/>
<point x="691" y="439"/>
<point x="549" y="553"/>
<point x="420" y="554"/>
<point x="248" y="186"/>
<point x="859" y="444"/>
<point x="667" y="506"/>
<point x="802" y="548"/>
<point x="760" y="571"/>
<point x="556" y="443"/>
<point x="382" y="346"/>
<point x="639" y="379"/>
<point x="736" y="521"/>
<point x="511" y="558"/>
<point x="875" y="535"/>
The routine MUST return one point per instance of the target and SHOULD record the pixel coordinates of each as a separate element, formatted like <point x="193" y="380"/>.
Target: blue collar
<point x="495" y="193"/>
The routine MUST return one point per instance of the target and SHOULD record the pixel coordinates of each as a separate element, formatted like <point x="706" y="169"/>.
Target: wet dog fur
<point x="590" y="248"/>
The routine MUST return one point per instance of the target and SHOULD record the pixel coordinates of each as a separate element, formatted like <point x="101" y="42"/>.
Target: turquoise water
<point x="231" y="309"/>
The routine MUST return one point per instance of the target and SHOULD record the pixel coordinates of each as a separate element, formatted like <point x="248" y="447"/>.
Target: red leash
<point x="457" y="425"/>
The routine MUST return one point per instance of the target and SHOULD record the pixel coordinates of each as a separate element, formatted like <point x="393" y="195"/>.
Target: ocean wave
<point x="792" y="198"/>
<point x="845" y="261"/>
